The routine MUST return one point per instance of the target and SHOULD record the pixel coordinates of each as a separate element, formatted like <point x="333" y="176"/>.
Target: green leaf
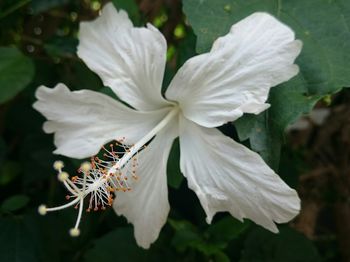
<point x="109" y="92"/>
<point x="173" y="168"/>
<point x="117" y="245"/>
<point x="221" y="257"/>
<point x="16" y="72"/>
<point x="323" y="26"/>
<point x="130" y="7"/>
<point x="209" y="243"/>
<point x="287" y="246"/>
<point x="186" y="48"/>
<point x="226" y="229"/>
<point x="8" y="172"/>
<point x="181" y="225"/>
<point x="186" y="235"/>
<point x="14" y="203"/>
<point x="265" y="131"/>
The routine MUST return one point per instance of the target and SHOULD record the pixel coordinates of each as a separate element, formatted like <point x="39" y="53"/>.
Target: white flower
<point x="209" y="90"/>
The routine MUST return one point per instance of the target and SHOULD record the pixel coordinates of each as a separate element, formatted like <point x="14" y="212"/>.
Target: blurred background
<point x="38" y="40"/>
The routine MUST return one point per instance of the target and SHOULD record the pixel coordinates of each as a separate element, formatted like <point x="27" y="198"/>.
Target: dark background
<point x="314" y="159"/>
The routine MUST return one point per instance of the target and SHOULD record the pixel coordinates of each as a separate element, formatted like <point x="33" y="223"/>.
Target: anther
<point x="58" y="165"/>
<point x="62" y="176"/>
<point x="85" y="167"/>
<point x="99" y="180"/>
<point x="42" y="210"/>
<point x="74" y="232"/>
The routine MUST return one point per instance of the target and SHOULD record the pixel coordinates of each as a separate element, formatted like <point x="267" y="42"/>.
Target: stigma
<point x="98" y="181"/>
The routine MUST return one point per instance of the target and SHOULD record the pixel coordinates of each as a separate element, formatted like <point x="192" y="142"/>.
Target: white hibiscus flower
<point x="209" y="90"/>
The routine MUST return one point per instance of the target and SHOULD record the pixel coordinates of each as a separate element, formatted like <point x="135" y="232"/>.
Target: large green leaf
<point x="16" y="71"/>
<point x="226" y="229"/>
<point x="287" y="246"/>
<point x="119" y="245"/>
<point x="322" y="25"/>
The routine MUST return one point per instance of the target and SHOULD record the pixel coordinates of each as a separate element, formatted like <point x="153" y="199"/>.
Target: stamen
<point x="102" y="178"/>
<point x="99" y="179"/>
<point x="63" y="176"/>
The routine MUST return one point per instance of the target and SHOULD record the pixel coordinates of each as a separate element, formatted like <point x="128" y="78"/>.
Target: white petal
<point x="146" y="206"/>
<point x="129" y="60"/>
<point x="227" y="176"/>
<point x="85" y="120"/>
<point x="236" y="75"/>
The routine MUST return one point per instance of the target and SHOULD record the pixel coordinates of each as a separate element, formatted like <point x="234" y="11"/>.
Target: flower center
<point x="104" y="176"/>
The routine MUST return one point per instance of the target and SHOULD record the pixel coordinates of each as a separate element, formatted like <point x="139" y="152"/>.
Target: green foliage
<point x="212" y="241"/>
<point x="130" y="7"/>
<point x="14" y="203"/>
<point x="287" y="246"/>
<point x="8" y="171"/>
<point x="322" y="25"/>
<point x="118" y="245"/>
<point x="16" y="71"/>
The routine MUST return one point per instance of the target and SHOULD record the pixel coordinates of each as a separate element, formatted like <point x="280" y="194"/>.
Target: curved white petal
<point x="129" y="60"/>
<point x="227" y="176"/>
<point x="236" y="75"/>
<point x="146" y="206"/>
<point x="85" y="120"/>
